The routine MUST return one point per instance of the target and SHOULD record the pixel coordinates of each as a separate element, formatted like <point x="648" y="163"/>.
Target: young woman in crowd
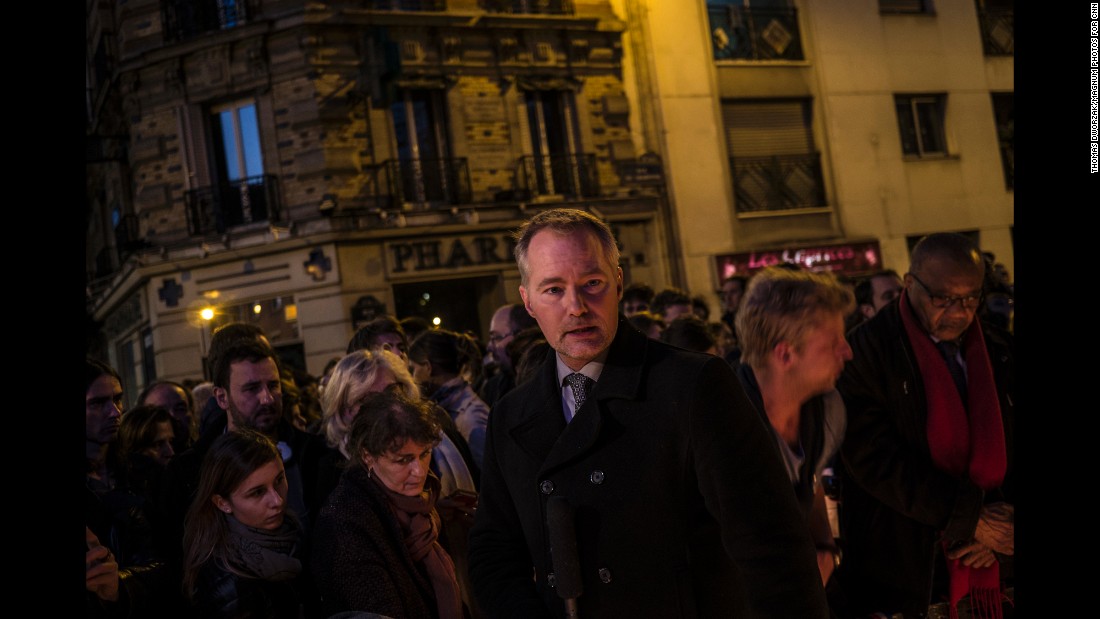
<point x="242" y="546"/>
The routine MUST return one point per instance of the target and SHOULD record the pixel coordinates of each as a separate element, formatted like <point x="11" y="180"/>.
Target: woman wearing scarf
<point x="241" y="543"/>
<point x="375" y="543"/>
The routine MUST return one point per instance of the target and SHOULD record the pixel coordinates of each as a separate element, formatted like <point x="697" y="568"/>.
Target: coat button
<point x="596" y="477"/>
<point x="605" y="575"/>
<point x="551" y="580"/>
<point x="547" y="486"/>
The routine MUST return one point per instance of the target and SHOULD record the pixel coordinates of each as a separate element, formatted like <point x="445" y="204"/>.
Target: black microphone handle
<point x="560" y="518"/>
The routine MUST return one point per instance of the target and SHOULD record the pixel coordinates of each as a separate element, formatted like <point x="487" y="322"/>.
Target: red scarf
<point x="963" y="443"/>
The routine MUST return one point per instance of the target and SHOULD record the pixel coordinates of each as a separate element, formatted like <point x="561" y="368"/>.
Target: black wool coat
<point x="895" y="505"/>
<point x="359" y="558"/>
<point x="683" y="508"/>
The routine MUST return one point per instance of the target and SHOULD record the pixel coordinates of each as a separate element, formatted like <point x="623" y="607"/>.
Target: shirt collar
<point x="592" y="369"/>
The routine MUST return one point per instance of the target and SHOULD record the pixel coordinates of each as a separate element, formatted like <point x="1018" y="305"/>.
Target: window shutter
<point x="756" y="129"/>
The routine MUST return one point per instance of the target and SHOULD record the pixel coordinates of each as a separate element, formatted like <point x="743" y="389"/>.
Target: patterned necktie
<point x="581" y="386"/>
<point x="950" y="352"/>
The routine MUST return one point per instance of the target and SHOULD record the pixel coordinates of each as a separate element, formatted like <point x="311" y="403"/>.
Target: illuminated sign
<point x="841" y="258"/>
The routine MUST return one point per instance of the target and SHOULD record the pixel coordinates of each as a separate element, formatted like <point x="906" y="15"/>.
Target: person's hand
<point x="974" y="554"/>
<point x="101" y="577"/>
<point x="996" y="528"/>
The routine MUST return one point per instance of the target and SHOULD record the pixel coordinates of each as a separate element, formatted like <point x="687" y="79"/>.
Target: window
<point x="556" y="165"/>
<point x="239" y="192"/>
<point x="920" y="120"/>
<point x="186" y="19"/>
<point x="905" y="6"/>
<point x="1003" y="113"/>
<point x="775" y="164"/>
<point x="766" y="30"/>
<point x="426" y="169"/>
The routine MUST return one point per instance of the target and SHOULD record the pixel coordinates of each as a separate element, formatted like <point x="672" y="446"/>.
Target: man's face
<point x="634" y="306"/>
<point x="393" y="343"/>
<point x="731" y="294"/>
<point x="500" y="333"/>
<point x="884" y="288"/>
<point x="944" y="278"/>
<point x="102" y="410"/>
<point x="573" y="292"/>
<point x="255" y="395"/>
<point x="824" y="351"/>
<point x="174" y="400"/>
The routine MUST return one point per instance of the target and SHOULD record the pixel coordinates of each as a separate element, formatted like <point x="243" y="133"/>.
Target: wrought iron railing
<point x="221" y="207"/>
<point x="430" y="181"/>
<point x="777" y="183"/>
<point x="998" y="31"/>
<point x="741" y="33"/>
<point x="185" y="19"/>
<point x="529" y="7"/>
<point x="572" y="176"/>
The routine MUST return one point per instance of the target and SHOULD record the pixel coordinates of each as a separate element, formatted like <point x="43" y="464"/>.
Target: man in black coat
<point x="682" y="504"/>
<point x="926" y="509"/>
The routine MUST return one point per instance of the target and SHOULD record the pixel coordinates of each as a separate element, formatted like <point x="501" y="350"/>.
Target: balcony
<point x="529" y="7"/>
<point x="741" y="33"/>
<point x="425" y="182"/>
<point x="186" y="19"/>
<point x="570" y="176"/>
<point x="777" y="183"/>
<point x="998" y="31"/>
<point x="221" y="207"/>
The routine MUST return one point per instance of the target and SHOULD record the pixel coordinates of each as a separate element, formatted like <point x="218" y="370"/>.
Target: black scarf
<point x="267" y="555"/>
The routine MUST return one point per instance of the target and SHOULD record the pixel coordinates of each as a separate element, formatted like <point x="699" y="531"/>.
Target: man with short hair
<point x="671" y="303"/>
<point x="733" y="288"/>
<point x="649" y="444"/>
<point x="507" y="321"/>
<point x="636" y="298"/>
<point x="927" y="497"/>
<point x="877" y="291"/>
<point x="792" y="352"/>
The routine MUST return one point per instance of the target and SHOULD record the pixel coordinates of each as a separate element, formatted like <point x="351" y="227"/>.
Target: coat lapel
<point x="619" y="379"/>
<point x="537" y="430"/>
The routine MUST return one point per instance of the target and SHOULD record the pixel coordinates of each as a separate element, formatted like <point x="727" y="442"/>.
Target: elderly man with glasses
<point x="927" y="499"/>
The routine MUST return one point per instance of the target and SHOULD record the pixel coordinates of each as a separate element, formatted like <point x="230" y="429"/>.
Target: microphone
<point x="560" y="517"/>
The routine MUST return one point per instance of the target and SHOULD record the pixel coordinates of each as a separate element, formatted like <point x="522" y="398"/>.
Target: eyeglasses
<point x="496" y="337"/>
<point x="940" y="301"/>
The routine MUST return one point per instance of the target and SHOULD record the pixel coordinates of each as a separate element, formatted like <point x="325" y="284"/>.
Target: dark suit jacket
<point x="683" y="507"/>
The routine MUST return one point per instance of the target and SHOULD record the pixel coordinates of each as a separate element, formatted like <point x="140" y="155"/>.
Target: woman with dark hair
<point x="180" y="404"/>
<point x="439" y="359"/>
<point x="241" y="543"/>
<point x="375" y="543"/>
<point x="143" y="449"/>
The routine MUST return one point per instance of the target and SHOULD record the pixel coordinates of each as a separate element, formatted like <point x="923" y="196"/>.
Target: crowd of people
<point x="607" y="451"/>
